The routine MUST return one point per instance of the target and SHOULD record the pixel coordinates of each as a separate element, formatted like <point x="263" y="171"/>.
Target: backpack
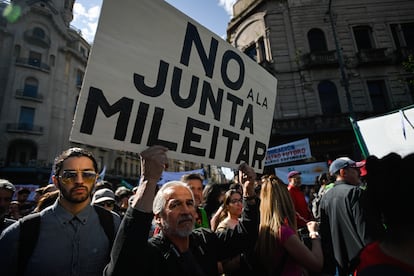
<point x="29" y="233"/>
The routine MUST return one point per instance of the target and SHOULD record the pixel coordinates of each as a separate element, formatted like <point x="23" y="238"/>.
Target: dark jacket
<point x="133" y="251"/>
<point x="343" y="225"/>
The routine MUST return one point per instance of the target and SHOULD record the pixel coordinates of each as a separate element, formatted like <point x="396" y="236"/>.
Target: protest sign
<point x="155" y="76"/>
<point x="388" y="133"/>
<point x="309" y="171"/>
<point x="297" y="150"/>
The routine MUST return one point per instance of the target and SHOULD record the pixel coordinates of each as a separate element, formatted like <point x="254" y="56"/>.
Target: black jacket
<point x="343" y="225"/>
<point x="134" y="252"/>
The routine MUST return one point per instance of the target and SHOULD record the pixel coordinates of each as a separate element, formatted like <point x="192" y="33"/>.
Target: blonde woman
<point x="279" y="250"/>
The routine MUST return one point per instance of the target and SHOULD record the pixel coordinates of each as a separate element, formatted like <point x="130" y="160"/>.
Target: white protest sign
<point x="155" y="76"/>
<point x="297" y="150"/>
<point x="389" y="133"/>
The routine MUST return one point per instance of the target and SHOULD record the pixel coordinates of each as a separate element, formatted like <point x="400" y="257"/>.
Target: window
<point x="403" y="35"/>
<point x="35" y="59"/>
<point x="30" y="88"/>
<point x="79" y="78"/>
<point x="377" y="93"/>
<point x="257" y="51"/>
<point x="328" y="95"/>
<point x="26" y="118"/>
<point x="39" y="32"/>
<point x="317" y="41"/>
<point x="363" y="37"/>
<point x="251" y="52"/>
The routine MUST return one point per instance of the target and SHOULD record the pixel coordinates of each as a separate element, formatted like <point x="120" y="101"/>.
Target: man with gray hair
<point x="179" y="249"/>
<point x="7" y="190"/>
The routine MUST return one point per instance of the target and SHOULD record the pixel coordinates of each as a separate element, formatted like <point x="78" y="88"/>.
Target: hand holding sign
<point x="247" y="177"/>
<point x="153" y="162"/>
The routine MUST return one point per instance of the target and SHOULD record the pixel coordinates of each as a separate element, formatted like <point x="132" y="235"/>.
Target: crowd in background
<point x="347" y="223"/>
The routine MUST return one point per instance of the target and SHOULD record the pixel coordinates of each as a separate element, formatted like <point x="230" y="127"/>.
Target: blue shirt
<point x="62" y="248"/>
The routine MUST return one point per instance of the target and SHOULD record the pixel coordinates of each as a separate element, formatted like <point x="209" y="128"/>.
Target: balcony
<point x="42" y="41"/>
<point x="403" y="53"/>
<point x="25" y="128"/>
<point x="24" y="95"/>
<point x="374" y="56"/>
<point x="320" y="59"/>
<point x="33" y="63"/>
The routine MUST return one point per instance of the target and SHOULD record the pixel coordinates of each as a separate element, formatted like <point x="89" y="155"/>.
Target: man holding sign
<point x="179" y="249"/>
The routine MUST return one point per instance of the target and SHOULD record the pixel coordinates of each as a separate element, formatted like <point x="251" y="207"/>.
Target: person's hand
<point x="247" y="177"/>
<point x="313" y="226"/>
<point x="153" y="161"/>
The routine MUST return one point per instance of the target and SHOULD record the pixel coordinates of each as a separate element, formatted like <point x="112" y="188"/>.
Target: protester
<point x="228" y="216"/>
<point x="279" y="250"/>
<point x="7" y="190"/>
<point x="46" y="200"/>
<point x="343" y="222"/>
<point x="195" y="182"/>
<point x="14" y="210"/>
<point x="179" y="249"/>
<point x="25" y="206"/>
<point x="213" y="195"/>
<point x="73" y="237"/>
<point x="303" y="213"/>
<point x="105" y="198"/>
<point x="122" y="197"/>
<point x="389" y="202"/>
<point x="324" y="182"/>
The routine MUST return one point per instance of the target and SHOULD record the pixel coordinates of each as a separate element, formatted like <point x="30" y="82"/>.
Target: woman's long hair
<point x="276" y="209"/>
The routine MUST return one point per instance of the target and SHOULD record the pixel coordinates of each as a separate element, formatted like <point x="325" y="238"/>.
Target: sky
<point x="212" y="14"/>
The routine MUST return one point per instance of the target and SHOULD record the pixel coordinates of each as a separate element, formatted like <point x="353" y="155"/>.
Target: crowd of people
<point x="260" y="225"/>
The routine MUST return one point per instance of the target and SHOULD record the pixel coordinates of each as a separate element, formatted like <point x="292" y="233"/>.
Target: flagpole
<point x="359" y="138"/>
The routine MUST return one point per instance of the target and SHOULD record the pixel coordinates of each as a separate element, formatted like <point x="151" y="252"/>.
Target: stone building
<point x="332" y="59"/>
<point x="42" y="64"/>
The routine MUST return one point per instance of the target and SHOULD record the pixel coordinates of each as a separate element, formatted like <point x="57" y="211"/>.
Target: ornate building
<point x="332" y="59"/>
<point x="42" y="64"/>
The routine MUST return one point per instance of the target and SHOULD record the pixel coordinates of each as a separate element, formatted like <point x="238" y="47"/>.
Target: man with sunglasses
<point x="343" y="224"/>
<point x="7" y="190"/>
<point x="71" y="238"/>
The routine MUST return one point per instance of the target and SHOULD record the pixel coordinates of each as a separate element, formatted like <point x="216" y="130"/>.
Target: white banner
<point x="389" y="133"/>
<point x="155" y="76"/>
<point x="297" y="150"/>
<point x="309" y="172"/>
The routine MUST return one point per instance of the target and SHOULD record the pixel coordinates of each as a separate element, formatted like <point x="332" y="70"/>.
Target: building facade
<point x="42" y="64"/>
<point x="333" y="60"/>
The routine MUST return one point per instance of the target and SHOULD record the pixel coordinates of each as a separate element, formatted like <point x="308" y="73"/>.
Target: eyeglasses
<point x="69" y="177"/>
<point x="235" y="200"/>
<point x="107" y="204"/>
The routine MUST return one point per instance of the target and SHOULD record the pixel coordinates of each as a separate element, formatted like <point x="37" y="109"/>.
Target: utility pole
<point x="345" y="83"/>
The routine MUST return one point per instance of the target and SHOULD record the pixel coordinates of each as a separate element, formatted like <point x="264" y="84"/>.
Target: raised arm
<point x="130" y="249"/>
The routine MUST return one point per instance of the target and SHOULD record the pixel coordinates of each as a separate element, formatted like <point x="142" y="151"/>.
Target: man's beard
<point x="183" y="231"/>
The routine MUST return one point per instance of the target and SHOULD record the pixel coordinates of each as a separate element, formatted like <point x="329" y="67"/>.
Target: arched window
<point x="328" y="95"/>
<point x="39" y="32"/>
<point x="31" y="86"/>
<point x="317" y="41"/>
